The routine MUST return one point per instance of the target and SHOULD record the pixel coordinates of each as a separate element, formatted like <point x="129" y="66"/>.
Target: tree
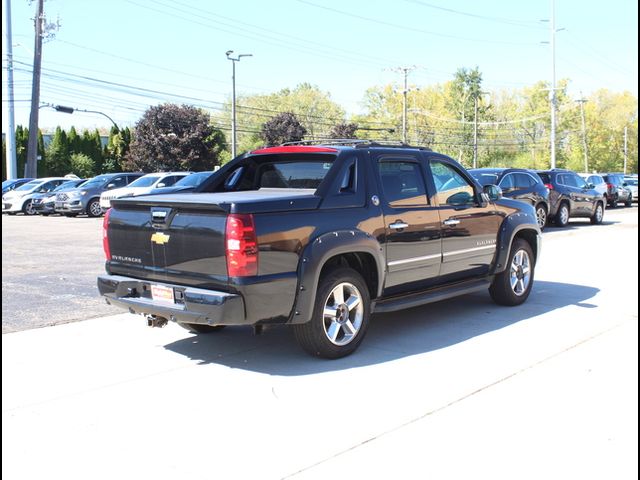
<point x="344" y="130"/>
<point x="283" y="128"/>
<point x="57" y="158"/>
<point x="174" y="137"/>
<point x="82" y="165"/>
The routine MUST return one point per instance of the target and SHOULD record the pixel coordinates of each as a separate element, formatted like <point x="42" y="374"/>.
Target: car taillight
<point x="105" y="235"/>
<point x="549" y="186"/>
<point x="611" y="186"/>
<point x="241" y="245"/>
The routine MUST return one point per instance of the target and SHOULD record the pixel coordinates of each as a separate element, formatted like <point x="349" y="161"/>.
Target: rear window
<point x="298" y="171"/>
<point x="545" y="177"/>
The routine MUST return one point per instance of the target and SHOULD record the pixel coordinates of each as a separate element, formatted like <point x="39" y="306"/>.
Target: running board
<point x="393" y="304"/>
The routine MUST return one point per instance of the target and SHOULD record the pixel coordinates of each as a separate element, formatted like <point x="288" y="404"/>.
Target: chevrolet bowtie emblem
<point x="160" y="238"/>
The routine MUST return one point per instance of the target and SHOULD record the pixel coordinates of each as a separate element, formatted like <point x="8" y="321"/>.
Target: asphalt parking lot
<point x="458" y="389"/>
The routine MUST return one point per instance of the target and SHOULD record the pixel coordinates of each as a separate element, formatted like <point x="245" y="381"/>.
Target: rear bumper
<point x="191" y="305"/>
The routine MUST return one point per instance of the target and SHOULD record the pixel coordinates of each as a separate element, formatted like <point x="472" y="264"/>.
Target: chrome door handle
<point x="398" y="225"/>
<point x="451" y="222"/>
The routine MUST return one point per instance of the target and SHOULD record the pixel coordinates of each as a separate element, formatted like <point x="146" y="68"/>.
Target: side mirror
<point x="625" y="184"/>
<point x="590" y="186"/>
<point x="160" y="185"/>
<point x="110" y="186"/>
<point x="494" y="192"/>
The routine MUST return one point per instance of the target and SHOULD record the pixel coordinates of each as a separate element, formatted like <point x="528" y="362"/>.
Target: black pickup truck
<point x="319" y="237"/>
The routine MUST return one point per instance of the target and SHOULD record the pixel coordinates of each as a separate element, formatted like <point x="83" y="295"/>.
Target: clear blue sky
<point x="106" y="54"/>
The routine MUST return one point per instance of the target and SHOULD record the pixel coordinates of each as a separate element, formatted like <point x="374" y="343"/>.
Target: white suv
<point x="142" y="186"/>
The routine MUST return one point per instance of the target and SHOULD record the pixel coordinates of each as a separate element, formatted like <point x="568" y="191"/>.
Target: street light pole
<point x="584" y="133"/>
<point x="233" y="97"/>
<point x="70" y="110"/>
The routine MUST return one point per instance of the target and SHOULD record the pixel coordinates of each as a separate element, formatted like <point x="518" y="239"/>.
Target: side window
<point x="117" y="182"/>
<point x="131" y="178"/>
<point x="47" y="187"/>
<point x="507" y="182"/>
<point x="579" y="181"/>
<point x="402" y="183"/>
<point x="563" y="180"/>
<point x="453" y="188"/>
<point x="524" y="180"/>
<point x="168" y="181"/>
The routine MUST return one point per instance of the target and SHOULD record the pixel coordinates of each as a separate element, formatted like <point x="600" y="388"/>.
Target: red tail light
<point x="611" y="187"/>
<point x="241" y="246"/>
<point x="549" y="186"/>
<point x="105" y="235"/>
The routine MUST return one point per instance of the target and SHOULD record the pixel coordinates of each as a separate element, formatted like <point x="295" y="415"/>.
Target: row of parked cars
<point x="72" y="196"/>
<point x="557" y="195"/>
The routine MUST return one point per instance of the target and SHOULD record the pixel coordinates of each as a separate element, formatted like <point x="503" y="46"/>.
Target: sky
<point x="121" y="56"/>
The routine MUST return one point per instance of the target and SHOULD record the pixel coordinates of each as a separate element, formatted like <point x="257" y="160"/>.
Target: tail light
<point x="611" y="187"/>
<point x="549" y="186"/>
<point x="241" y="246"/>
<point x="105" y="235"/>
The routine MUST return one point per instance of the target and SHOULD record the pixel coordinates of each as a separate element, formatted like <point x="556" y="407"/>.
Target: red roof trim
<point x="294" y="149"/>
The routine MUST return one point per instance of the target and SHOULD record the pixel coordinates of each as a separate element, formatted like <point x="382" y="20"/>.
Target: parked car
<point x="21" y="199"/>
<point x="616" y="190"/>
<point x="317" y="237"/>
<point x="141" y="186"/>
<point x="519" y="184"/>
<point x="570" y="196"/>
<point x="185" y="184"/>
<point x="44" y="203"/>
<point x="632" y="184"/>
<point x="9" y="185"/>
<point x="86" y="199"/>
<point x="599" y="183"/>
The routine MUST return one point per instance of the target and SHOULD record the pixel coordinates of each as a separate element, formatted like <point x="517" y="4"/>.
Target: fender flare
<point x="512" y="226"/>
<point x="315" y="256"/>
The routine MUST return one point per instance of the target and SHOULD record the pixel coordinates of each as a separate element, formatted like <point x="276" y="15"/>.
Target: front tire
<point x="598" y="214"/>
<point x="562" y="217"/>
<point x="541" y="216"/>
<point x="513" y="286"/>
<point x="94" y="209"/>
<point x="340" y="316"/>
<point x="28" y="209"/>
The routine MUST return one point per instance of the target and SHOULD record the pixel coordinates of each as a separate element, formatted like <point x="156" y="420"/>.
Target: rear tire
<point x="629" y="203"/>
<point x="513" y="286"/>
<point x="541" y="216"/>
<point x="340" y="316"/>
<point x="197" y="328"/>
<point x="562" y="217"/>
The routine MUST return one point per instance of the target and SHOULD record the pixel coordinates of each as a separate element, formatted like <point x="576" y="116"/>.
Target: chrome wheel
<point x="94" y="209"/>
<point x="599" y="213"/>
<point x="564" y="215"/>
<point x="541" y="216"/>
<point x="343" y="314"/>
<point x="28" y="208"/>
<point x="520" y="272"/>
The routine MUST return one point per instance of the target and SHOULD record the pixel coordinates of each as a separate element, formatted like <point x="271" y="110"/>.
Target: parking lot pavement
<point x="458" y="389"/>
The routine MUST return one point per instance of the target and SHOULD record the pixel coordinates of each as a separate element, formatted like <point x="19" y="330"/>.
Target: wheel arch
<point x="516" y="226"/>
<point x="354" y="249"/>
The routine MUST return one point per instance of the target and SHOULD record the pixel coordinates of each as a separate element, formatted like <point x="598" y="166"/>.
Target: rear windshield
<point x="277" y="171"/>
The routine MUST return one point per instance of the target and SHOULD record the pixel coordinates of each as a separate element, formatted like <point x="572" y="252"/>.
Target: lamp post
<point x="475" y="127"/>
<point x="233" y="97"/>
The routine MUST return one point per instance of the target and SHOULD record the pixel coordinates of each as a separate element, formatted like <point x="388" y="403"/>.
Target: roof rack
<point x="356" y="142"/>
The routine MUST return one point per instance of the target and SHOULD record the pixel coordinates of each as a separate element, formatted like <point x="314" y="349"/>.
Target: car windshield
<point x="485" y="178"/>
<point x="29" y="185"/>
<point x="193" y="180"/>
<point x="8" y="183"/>
<point x="631" y="181"/>
<point x="145" y="181"/>
<point x="97" y="181"/>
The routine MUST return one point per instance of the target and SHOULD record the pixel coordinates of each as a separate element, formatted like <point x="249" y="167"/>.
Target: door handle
<point x="451" y="222"/>
<point x="398" y="225"/>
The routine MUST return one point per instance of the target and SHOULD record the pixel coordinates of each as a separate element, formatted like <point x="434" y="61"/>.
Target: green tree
<point x="82" y="165"/>
<point x="174" y="137"/>
<point x="283" y="128"/>
<point x="344" y="130"/>
<point x="57" y="159"/>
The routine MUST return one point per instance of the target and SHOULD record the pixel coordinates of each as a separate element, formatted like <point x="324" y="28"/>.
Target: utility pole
<point x="32" y="147"/>
<point x="233" y="98"/>
<point x="625" y="151"/>
<point x="11" y="128"/>
<point x="553" y="84"/>
<point x="475" y="131"/>
<point x="405" y="71"/>
<point x="584" y="133"/>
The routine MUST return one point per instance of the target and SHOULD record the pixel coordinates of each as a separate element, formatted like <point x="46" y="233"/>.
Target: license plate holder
<point x="161" y="293"/>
